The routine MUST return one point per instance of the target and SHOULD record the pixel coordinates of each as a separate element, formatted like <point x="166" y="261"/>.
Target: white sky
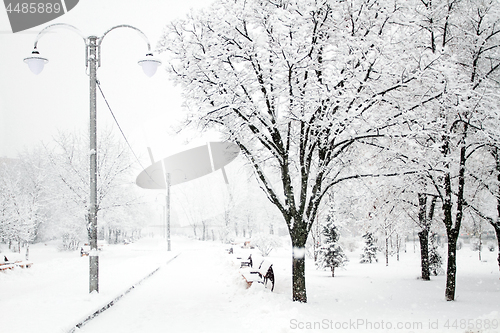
<point x="33" y="108"/>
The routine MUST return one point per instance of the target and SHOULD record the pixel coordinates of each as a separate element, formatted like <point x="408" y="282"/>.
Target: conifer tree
<point x="435" y="259"/>
<point x="331" y="255"/>
<point x="370" y="250"/>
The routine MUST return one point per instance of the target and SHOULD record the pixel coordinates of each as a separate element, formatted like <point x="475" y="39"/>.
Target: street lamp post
<point x="93" y="59"/>
<point x="92" y="219"/>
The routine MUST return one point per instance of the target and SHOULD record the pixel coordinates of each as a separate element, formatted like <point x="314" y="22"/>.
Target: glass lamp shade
<point x="149" y="64"/>
<point x="35" y="62"/>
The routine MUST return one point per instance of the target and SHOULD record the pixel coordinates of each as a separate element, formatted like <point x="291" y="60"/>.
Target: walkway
<point x="200" y="291"/>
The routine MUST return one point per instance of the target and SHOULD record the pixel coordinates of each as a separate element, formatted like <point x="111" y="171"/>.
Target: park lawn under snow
<point x="202" y="291"/>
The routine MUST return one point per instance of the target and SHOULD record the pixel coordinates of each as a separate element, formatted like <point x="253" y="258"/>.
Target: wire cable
<point x="121" y="131"/>
<point x="117" y="124"/>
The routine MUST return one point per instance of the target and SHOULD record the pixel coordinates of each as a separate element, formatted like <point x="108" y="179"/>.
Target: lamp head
<point x="149" y="64"/>
<point x="35" y="62"/>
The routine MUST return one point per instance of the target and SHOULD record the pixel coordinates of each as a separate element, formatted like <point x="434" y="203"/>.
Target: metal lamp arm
<point x="86" y="39"/>
<point x="59" y="25"/>
<point x="127" y="26"/>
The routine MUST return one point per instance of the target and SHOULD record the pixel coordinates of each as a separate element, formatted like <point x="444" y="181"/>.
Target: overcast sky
<point x="33" y="108"/>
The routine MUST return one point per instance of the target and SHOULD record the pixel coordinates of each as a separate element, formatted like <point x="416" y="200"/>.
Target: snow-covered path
<point x="52" y="295"/>
<point x="200" y="291"/>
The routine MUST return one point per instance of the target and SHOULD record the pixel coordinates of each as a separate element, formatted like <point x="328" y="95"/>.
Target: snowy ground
<point x="202" y="291"/>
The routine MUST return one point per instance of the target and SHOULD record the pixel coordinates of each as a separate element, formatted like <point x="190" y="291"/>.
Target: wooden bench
<point x="245" y="263"/>
<point x="250" y="276"/>
<point x="11" y="265"/>
<point x="5" y="266"/>
<point x="263" y="274"/>
<point x="85" y="249"/>
<point x="23" y="264"/>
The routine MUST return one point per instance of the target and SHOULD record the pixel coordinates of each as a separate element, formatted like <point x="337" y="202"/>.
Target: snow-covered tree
<point x="23" y="199"/>
<point x="297" y="85"/>
<point x="459" y="101"/>
<point x="386" y="212"/>
<point x="331" y="255"/>
<point x="435" y="259"/>
<point x="485" y="172"/>
<point x="369" y="250"/>
<point x="70" y="177"/>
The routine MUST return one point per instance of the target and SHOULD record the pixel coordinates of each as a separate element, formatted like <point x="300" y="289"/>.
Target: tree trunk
<point x="386" y="249"/>
<point x="424" y="253"/>
<point x="333" y="271"/>
<point x="497" y="232"/>
<point x="451" y="271"/>
<point x="298" y="263"/>
<point x="398" y="245"/>
<point x="452" y="233"/>
<point x="496" y="225"/>
<point x="423" y="236"/>
<point x="480" y="245"/>
<point x="453" y="229"/>
<point x="299" y="277"/>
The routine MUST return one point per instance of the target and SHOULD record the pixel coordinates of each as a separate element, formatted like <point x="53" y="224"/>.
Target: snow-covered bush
<point x="69" y="242"/>
<point x="266" y="243"/>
